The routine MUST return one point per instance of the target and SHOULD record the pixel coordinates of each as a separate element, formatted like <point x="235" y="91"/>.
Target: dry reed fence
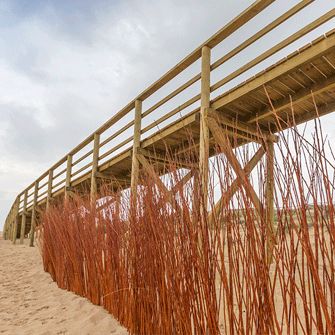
<point x="165" y="269"/>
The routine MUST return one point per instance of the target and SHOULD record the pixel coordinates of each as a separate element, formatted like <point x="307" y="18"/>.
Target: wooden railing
<point x="103" y="145"/>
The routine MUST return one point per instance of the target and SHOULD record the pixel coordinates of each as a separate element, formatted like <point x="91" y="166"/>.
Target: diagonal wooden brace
<point x="180" y="184"/>
<point x="222" y="139"/>
<point x="146" y="165"/>
<point x="106" y="204"/>
<point x="235" y="185"/>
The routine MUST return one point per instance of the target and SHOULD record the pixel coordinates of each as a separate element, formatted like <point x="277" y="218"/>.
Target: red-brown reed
<point x="162" y="268"/>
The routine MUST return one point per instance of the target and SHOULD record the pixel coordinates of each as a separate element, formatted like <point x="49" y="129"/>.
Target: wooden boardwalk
<point x="254" y="110"/>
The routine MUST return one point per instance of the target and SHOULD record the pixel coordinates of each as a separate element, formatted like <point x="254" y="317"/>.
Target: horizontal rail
<point x="82" y="169"/>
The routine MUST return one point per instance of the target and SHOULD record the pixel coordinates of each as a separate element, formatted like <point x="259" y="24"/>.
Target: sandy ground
<point x="31" y="303"/>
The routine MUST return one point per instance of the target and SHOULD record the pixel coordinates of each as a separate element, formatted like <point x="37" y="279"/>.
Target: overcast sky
<point x="66" y="67"/>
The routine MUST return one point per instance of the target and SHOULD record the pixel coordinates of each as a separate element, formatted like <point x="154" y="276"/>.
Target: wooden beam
<point x="103" y="175"/>
<point x="49" y="195"/>
<point x="106" y="204"/>
<point x="74" y="196"/>
<point x="136" y="144"/>
<point x="180" y="184"/>
<point x="291" y="64"/>
<point x="235" y="185"/>
<point x="297" y="97"/>
<point x="204" y="129"/>
<point x="270" y="231"/>
<point x="150" y="170"/>
<point x="33" y="219"/>
<point x="240" y="125"/>
<point x="222" y="139"/>
<point x="24" y="217"/>
<point x="16" y="218"/>
<point x="95" y="167"/>
<point x="68" y="175"/>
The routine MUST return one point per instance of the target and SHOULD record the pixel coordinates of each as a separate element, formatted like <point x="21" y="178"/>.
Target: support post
<point x="33" y="218"/>
<point x="204" y="129"/>
<point x="16" y="218"/>
<point x="68" y="176"/>
<point x="10" y="228"/>
<point x="137" y="142"/>
<point x="24" y="217"/>
<point x="95" y="168"/>
<point x="49" y="196"/>
<point x="269" y="201"/>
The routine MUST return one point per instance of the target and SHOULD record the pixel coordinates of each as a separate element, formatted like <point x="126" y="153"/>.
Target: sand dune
<point x="31" y="303"/>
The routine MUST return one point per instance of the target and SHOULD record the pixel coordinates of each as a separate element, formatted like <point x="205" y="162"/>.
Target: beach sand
<point x="31" y="303"/>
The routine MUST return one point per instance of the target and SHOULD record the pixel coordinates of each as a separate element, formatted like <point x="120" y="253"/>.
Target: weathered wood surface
<point x="250" y="112"/>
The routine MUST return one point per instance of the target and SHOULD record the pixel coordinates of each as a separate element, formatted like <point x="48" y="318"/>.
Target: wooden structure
<point x="251" y="111"/>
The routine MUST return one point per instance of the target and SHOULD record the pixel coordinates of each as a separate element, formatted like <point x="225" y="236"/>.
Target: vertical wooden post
<point x="10" y="228"/>
<point x="95" y="168"/>
<point x="49" y="196"/>
<point x="204" y="129"/>
<point x="24" y="217"/>
<point x="5" y="228"/>
<point x="33" y="218"/>
<point x="68" y="176"/>
<point x="270" y="200"/>
<point x="16" y="218"/>
<point x="137" y="142"/>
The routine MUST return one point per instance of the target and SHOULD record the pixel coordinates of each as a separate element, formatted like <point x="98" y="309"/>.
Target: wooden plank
<point x="307" y="56"/>
<point x="16" y="218"/>
<point x="24" y="217"/>
<point x="33" y="219"/>
<point x="328" y="16"/>
<point x="68" y="174"/>
<point x="49" y="189"/>
<point x="301" y="95"/>
<point x="270" y="231"/>
<point x="135" y="167"/>
<point x="204" y="129"/>
<point x="95" y="163"/>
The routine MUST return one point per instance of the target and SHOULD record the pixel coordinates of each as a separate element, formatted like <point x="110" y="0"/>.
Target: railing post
<point x="269" y="200"/>
<point x="204" y="129"/>
<point x="68" y="176"/>
<point x="5" y="229"/>
<point x="24" y="217"/>
<point x="16" y="218"/>
<point x="33" y="218"/>
<point x="137" y="142"/>
<point x="95" y="168"/>
<point x="49" y="196"/>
